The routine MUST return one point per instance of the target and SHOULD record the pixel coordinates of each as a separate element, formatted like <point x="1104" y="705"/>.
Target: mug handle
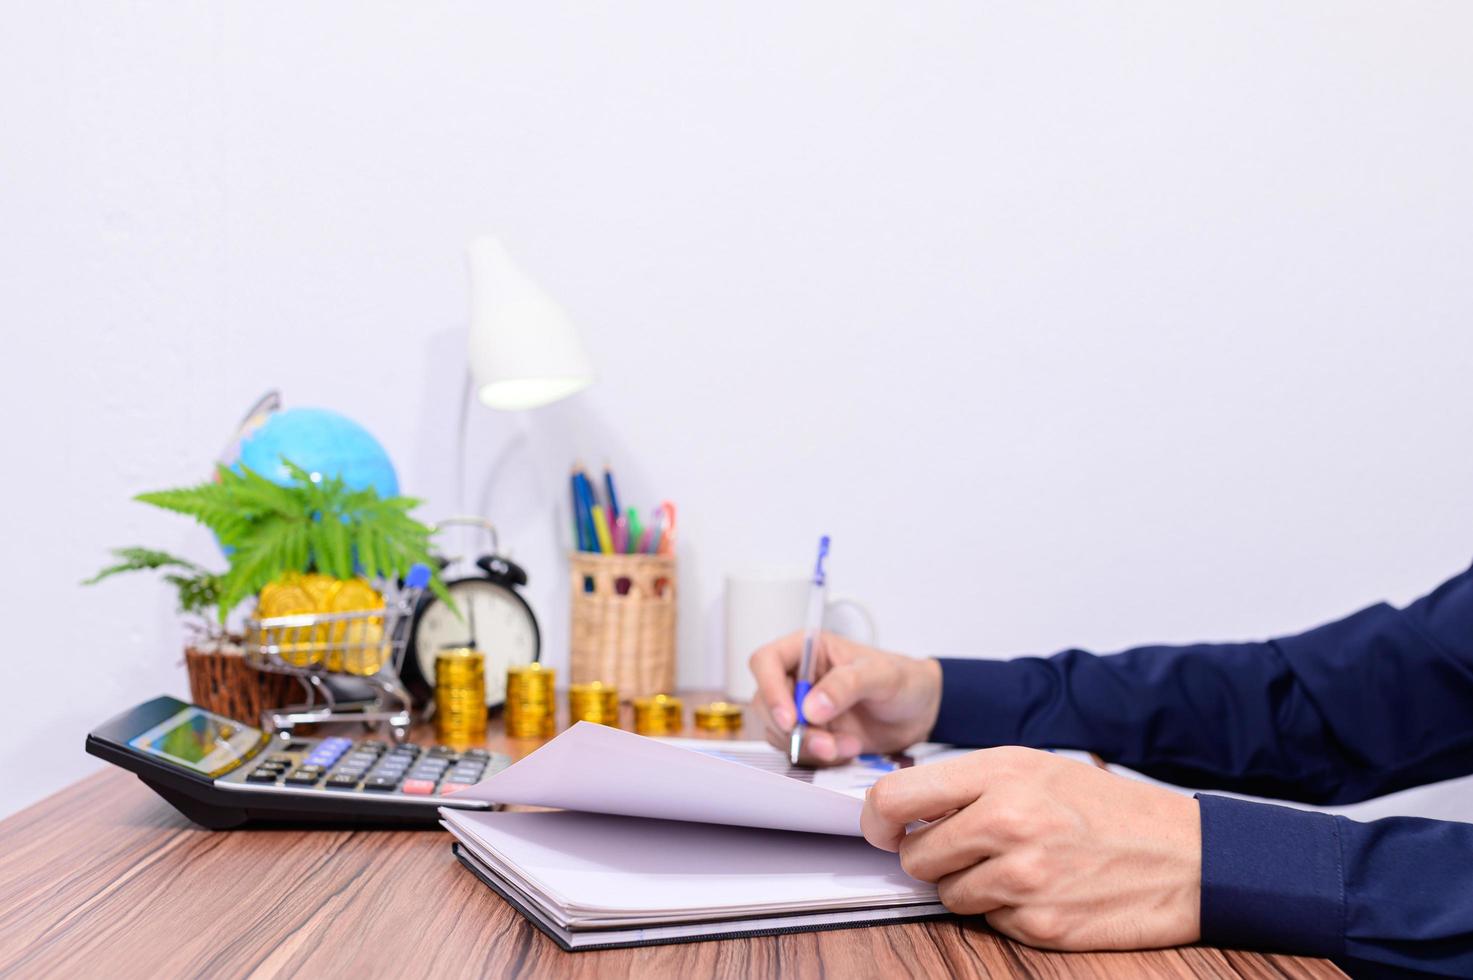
<point x="837" y="602"/>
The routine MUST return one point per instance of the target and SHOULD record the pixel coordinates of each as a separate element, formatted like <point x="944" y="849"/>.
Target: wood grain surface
<point x="104" y="879"/>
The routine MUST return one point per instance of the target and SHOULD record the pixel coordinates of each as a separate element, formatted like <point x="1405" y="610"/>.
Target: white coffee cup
<point x="765" y="604"/>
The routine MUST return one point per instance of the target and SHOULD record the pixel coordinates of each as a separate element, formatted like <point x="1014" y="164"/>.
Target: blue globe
<point x="318" y="441"/>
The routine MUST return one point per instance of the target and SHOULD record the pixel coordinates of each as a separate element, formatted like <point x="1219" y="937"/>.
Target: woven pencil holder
<point x="623" y="629"/>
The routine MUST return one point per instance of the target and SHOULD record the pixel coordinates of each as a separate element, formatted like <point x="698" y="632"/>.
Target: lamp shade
<point x="524" y="351"/>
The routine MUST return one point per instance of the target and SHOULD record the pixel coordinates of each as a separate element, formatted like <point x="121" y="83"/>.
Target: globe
<point x="319" y="441"/>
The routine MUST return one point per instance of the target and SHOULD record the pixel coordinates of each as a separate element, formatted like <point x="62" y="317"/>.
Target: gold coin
<point x="298" y="645"/>
<point x="596" y="702"/>
<point x="321" y="588"/>
<point x="659" y="714"/>
<point x="460" y="697"/>
<point x="359" y="641"/>
<point x="284" y="597"/>
<point x="719" y="716"/>
<point x="530" y="711"/>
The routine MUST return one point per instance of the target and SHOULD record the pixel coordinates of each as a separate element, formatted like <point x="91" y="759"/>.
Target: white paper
<point x="597" y="869"/>
<point x="599" y="769"/>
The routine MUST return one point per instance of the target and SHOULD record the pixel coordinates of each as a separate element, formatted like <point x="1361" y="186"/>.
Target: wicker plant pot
<point x="623" y="628"/>
<point x="221" y="681"/>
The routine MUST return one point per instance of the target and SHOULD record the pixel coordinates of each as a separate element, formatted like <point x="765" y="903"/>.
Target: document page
<point x="598" y="769"/>
<point x="592" y="868"/>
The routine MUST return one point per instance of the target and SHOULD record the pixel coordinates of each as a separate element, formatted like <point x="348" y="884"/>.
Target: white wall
<point x="1073" y="324"/>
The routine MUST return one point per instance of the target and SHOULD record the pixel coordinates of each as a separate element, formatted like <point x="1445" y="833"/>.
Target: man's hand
<point x="1053" y="852"/>
<point x="865" y="700"/>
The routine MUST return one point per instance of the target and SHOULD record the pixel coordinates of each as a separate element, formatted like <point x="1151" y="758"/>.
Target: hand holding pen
<point x="859" y="699"/>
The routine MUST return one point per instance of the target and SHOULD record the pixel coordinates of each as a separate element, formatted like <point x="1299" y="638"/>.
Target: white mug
<point x="765" y="604"/>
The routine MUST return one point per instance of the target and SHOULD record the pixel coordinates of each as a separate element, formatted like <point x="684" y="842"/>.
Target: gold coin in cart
<point x="359" y="642"/>
<point x="299" y="645"/>
<point x="321" y="588"/>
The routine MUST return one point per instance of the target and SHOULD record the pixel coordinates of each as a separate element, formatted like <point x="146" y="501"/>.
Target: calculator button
<point x="476" y="754"/>
<point x="301" y="778"/>
<point x="449" y="788"/>
<point x="463" y="779"/>
<point x="442" y="751"/>
<point x="381" y="783"/>
<point x="284" y="760"/>
<point x="341" y="780"/>
<point x="371" y="743"/>
<point x="312" y="768"/>
<point x="263" y="776"/>
<point x="418" y="787"/>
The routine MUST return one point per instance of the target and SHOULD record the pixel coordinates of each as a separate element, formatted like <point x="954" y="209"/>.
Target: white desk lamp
<point x="524" y="351"/>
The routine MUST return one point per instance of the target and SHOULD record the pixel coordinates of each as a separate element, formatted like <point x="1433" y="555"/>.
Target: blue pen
<point x="806" y="666"/>
<point x="578" y="529"/>
<point x="613" y="497"/>
<point x="586" y="491"/>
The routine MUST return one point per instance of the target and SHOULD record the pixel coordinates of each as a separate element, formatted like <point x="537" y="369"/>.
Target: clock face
<point x="504" y="631"/>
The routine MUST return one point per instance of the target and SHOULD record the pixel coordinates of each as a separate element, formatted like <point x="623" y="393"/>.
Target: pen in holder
<point x="623" y="622"/>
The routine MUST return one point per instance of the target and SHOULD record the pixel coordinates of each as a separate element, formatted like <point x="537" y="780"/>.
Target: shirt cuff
<point x="982" y="702"/>
<point x="1271" y="878"/>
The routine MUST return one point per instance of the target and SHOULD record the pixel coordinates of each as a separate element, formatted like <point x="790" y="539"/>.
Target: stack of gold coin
<point x="460" y="697"/>
<point x="531" y="711"/>
<point x="660" y="714"/>
<point x="719" y="716"/>
<point x="595" y="702"/>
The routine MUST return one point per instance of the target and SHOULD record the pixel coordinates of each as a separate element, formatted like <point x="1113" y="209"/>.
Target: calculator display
<point x="198" y="740"/>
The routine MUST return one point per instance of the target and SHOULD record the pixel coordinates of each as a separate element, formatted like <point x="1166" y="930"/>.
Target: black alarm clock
<point x="494" y="619"/>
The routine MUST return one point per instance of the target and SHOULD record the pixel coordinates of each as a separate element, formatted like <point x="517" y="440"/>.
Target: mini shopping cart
<point x="337" y="655"/>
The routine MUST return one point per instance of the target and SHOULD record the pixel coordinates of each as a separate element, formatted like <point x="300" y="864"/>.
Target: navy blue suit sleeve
<point x="1372" y="703"/>
<point x="1380" y="898"/>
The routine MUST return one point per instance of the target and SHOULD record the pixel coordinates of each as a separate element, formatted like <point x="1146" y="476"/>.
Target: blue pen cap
<point x="418" y="577"/>
<point x="819" y="576"/>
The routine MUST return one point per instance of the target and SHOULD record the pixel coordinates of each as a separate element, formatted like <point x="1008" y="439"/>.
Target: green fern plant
<point x="269" y="530"/>
<point x="198" y="587"/>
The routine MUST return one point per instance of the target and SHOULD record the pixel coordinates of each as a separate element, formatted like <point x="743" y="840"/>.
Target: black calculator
<point x="221" y="773"/>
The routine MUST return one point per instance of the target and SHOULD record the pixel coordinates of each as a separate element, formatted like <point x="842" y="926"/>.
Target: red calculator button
<point x="449" y="788"/>
<point x="418" y="787"/>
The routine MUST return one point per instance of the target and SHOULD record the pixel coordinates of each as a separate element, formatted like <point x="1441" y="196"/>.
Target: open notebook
<point x="665" y="840"/>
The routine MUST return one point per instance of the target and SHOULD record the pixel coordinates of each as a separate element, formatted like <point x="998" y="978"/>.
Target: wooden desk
<point x="106" y="879"/>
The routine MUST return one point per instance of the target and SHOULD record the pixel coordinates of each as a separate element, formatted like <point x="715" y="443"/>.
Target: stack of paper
<point x="669" y="843"/>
